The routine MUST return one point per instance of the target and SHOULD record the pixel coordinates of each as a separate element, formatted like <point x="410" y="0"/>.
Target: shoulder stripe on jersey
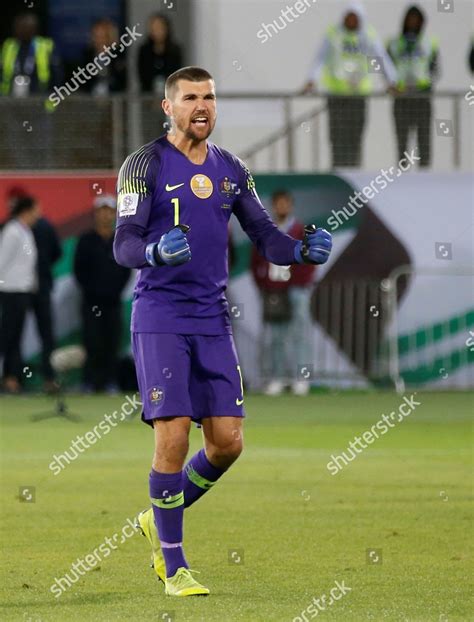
<point x="132" y="174"/>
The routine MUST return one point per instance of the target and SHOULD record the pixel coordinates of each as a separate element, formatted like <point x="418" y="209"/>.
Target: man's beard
<point x="191" y="135"/>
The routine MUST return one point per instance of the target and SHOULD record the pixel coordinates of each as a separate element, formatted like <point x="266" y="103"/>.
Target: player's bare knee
<point x="175" y="446"/>
<point x="225" y="455"/>
<point x="169" y="456"/>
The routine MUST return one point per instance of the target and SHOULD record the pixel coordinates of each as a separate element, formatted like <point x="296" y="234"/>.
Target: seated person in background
<point x="285" y="292"/>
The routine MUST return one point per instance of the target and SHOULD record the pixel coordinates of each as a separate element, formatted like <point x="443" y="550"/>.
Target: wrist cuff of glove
<point x="297" y="252"/>
<point x="152" y="256"/>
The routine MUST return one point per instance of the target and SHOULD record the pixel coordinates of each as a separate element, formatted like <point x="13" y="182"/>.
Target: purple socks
<point x="167" y="498"/>
<point x="170" y="493"/>
<point x="199" y="475"/>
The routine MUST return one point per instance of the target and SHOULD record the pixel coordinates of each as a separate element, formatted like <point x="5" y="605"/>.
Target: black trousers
<point x="413" y="113"/>
<point x="102" y="327"/>
<point x="13" y="308"/>
<point x="41" y="306"/>
<point x="346" y="125"/>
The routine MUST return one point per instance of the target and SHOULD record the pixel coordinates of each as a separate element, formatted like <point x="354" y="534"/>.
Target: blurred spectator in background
<point x="112" y="78"/>
<point x="471" y="56"/>
<point x="29" y="63"/>
<point x="101" y="281"/>
<point x="18" y="272"/>
<point x="159" y="56"/>
<point x="350" y="53"/>
<point x="49" y="250"/>
<point x="285" y="292"/>
<point x="416" y="61"/>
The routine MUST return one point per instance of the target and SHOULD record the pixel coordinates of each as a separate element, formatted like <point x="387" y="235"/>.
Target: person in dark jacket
<point x="49" y="252"/>
<point x="101" y="281"/>
<point x="112" y="78"/>
<point x="159" y="56"/>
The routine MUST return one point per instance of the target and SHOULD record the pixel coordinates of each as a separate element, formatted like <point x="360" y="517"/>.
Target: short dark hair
<point x="192" y="74"/>
<point x="278" y="194"/>
<point x="22" y="205"/>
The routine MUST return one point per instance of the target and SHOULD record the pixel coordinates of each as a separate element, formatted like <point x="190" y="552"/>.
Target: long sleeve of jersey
<point x="134" y="189"/>
<point x="275" y="246"/>
<point x="129" y="247"/>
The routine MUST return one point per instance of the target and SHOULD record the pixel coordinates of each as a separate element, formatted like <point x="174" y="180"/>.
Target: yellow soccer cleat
<point x="184" y="584"/>
<point x="146" y="522"/>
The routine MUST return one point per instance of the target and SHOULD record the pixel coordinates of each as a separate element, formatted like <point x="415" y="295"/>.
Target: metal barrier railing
<point x="339" y="340"/>
<point x="85" y="132"/>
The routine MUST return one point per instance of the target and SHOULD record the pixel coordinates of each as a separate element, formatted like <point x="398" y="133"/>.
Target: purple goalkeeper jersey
<point x="159" y="187"/>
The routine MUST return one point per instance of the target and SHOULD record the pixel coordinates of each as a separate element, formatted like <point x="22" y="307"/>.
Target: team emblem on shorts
<point x="201" y="186"/>
<point x="156" y="395"/>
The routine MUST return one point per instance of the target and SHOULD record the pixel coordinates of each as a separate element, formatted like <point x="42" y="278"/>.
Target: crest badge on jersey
<point x="201" y="186"/>
<point x="228" y="187"/>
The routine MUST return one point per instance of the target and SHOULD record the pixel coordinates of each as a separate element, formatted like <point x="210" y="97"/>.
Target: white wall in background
<point x="224" y="40"/>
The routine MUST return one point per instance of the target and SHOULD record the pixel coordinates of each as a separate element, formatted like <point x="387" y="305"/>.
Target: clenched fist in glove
<point x="315" y="247"/>
<point x="172" y="249"/>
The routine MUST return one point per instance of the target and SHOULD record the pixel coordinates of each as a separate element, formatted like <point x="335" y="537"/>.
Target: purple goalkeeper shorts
<point x="193" y="376"/>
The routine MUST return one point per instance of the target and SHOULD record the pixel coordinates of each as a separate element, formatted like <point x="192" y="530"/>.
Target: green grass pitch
<point x="293" y="528"/>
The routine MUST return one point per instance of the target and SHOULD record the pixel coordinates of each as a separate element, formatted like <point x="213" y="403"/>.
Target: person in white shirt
<point x="18" y="280"/>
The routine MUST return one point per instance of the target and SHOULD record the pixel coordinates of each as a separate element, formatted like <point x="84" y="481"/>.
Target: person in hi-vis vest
<point x="29" y="66"/>
<point x="344" y="66"/>
<point x="29" y="63"/>
<point x="416" y="60"/>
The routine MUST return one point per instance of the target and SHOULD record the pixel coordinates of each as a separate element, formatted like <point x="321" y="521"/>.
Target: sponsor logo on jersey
<point x="201" y="186"/>
<point x="228" y="187"/>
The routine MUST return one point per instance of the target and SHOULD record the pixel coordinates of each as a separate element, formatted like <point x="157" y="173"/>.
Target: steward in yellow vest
<point x="344" y="66"/>
<point x="29" y="64"/>
<point x="416" y="60"/>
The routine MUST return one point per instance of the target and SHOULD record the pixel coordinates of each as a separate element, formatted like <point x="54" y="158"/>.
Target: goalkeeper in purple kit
<point x="175" y="197"/>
